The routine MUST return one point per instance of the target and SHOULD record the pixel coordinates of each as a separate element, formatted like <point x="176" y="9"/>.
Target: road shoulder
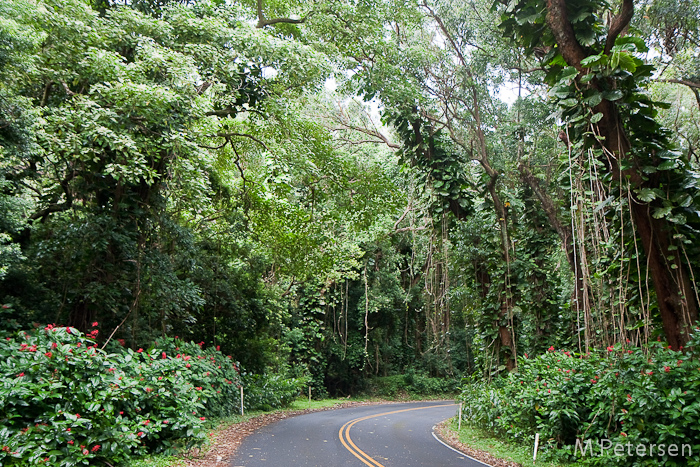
<point x="451" y="437"/>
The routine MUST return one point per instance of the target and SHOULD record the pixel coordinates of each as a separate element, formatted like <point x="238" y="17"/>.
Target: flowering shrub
<point x="65" y="402"/>
<point x="625" y="395"/>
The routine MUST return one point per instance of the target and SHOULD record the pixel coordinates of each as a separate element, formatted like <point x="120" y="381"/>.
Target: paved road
<point x="388" y="435"/>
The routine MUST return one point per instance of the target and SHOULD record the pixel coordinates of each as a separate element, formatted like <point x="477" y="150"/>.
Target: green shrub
<point x="412" y="385"/>
<point x="268" y="392"/>
<point x="65" y="402"/>
<point x="631" y="395"/>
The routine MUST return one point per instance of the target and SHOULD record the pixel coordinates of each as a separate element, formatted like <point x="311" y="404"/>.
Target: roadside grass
<point x="479" y="439"/>
<point x="155" y="461"/>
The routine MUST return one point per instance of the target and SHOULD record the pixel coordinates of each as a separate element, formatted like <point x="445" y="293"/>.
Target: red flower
<point x="20" y="375"/>
<point x="77" y="415"/>
<point x="71" y="442"/>
<point x="139" y="434"/>
<point x="188" y="365"/>
<point x="94" y="325"/>
<point x="202" y="418"/>
<point x="85" y="452"/>
<point x="610" y="348"/>
<point x="122" y="342"/>
<point x="164" y="356"/>
<point x="667" y="369"/>
<point x="146" y="422"/>
<point x="139" y="350"/>
<point x="49" y="354"/>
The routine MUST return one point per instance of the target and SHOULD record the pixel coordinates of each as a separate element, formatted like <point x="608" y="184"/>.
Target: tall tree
<point x="596" y="76"/>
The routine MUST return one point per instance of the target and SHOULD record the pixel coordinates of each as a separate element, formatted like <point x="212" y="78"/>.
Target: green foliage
<point x="627" y="395"/>
<point x="268" y="392"/>
<point x="412" y="386"/>
<point x="122" y="402"/>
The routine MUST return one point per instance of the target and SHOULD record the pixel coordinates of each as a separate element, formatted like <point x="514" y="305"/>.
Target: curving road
<point x="376" y="436"/>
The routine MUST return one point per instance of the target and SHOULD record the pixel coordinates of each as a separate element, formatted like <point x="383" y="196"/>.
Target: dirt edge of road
<point x="449" y="436"/>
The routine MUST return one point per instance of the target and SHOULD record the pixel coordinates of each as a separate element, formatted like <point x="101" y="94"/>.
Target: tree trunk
<point x="677" y="304"/>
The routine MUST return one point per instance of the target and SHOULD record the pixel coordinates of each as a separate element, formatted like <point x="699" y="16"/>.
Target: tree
<point x="597" y="79"/>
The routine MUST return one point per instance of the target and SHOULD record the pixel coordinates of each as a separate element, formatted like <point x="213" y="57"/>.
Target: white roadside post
<point x="309" y="396"/>
<point x="459" y="423"/>
<point x="242" y="400"/>
<point x="537" y="445"/>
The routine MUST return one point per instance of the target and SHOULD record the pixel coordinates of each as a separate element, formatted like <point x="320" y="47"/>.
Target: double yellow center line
<point x="344" y="434"/>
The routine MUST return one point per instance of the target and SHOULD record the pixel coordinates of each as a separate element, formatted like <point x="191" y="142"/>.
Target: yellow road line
<point x="344" y="434"/>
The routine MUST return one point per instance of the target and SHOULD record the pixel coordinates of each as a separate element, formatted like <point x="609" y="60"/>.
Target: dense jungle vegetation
<point x="333" y="191"/>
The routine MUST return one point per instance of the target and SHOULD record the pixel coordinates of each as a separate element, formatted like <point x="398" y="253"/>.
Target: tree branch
<point x="221" y="113"/>
<point x="57" y="207"/>
<point x="67" y="89"/>
<point x="262" y="22"/>
<point x="44" y="213"/>
<point x="242" y="135"/>
<point x="409" y="229"/>
<point x="376" y="134"/>
<point x="684" y="82"/>
<point x="289" y="289"/>
<point x="269" y="22"/>
<point x="46" y="94"/>
<point x="403" y="216"/>
<point x="619" y="23"/>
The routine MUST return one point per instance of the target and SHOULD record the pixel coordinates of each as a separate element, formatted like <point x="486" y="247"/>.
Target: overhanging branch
<point x="619" y="23"/>
<point x="262" y="21"/>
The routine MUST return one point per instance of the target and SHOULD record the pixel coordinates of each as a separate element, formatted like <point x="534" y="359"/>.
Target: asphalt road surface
<point x="388" y="435"/>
